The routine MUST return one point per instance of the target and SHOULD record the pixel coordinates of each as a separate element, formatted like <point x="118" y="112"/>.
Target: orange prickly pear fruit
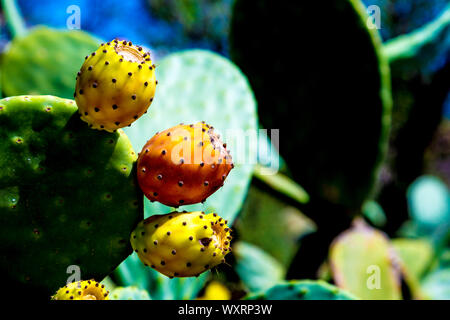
<point x="183" y="165"/>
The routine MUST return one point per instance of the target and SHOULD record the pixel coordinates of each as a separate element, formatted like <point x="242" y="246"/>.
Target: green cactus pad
<point x="189" y="90"/>
<point x="302" y="290"/>
<point x="319" y="76"/>
<point x="364" y="262"/>
<point x="257" y="269"/>
<point x="129" y="293"/>
<point x="45" y="61"/>
<point x="68" y="195"/>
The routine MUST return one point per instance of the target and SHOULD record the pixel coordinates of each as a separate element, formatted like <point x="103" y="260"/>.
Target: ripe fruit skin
<point x="182" y="244"/>
<point x="115" y="85"/>
<point x="183" y="165"/>
<point x="82" y="290"/>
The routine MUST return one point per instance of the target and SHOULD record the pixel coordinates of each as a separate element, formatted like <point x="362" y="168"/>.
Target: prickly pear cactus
<point x="302" y="290"/>
<point x="183" y="165"/>
<point x="364" y="262"/>
<point x="66" y="192"/>
<point x="45" y="61"/>
<point x="182" y="244"/>
<point x="334" y="123"/>
<point x="115" y="85"/>
<point x="82" y="290"/>
<point x="227" y="102"/>
<point x="129" y="293"/>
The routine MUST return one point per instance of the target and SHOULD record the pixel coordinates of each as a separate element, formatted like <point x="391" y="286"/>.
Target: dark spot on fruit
<point x="106" y="62"/>
<point x="90" y="68"/>
<point x="191" y="238"/>
<point x="159" y="177"/>
<point x="81" y="91"/>
<point x="155" y="194"/>
<point x="133" y="97"/>
<point x="130" y="74"/>
<point x="180" y="183"/>
<point x="188" y="264"/>
<point x="114" y="80"/>
<point x="206" y="183"/>
<point x="146" y="83"/>
<point x="163" y="262"/>
<point x="94" y="85"/>
<point x="114" y="106"/>
<point x="117" y="123"/>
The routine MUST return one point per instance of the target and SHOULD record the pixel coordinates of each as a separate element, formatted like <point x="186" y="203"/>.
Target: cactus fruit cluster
<point x="82" y="290"/>
<point x="115" y="85"/>
<point x="182" y="244"/>
<point x="183" y="165"/>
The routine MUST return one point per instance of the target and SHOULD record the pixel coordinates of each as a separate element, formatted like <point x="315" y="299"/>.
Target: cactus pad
<point x="182" y="244"/>
<point x="129" y="293"/>
<point x="82" y="290"/>
<point x="183" y="165"/>
<point x="364" y="262"/>
<point x="115" y="85"/>
<point x="303" y="290"/>
<point x="226" y="102"/>
<point x="330" y="99"/>
<point x="45" y="61"/>
<point x="67" y="193"/>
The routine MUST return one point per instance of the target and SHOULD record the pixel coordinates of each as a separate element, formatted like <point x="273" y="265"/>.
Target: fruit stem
<point x="14" y="19"/>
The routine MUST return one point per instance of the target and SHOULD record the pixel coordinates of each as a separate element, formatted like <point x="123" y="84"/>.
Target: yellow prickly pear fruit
<point x="115" y="85"/>
<point x="216" y="291"/>
<point x="82" y="290"/>
<point x="182" y="244"/>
